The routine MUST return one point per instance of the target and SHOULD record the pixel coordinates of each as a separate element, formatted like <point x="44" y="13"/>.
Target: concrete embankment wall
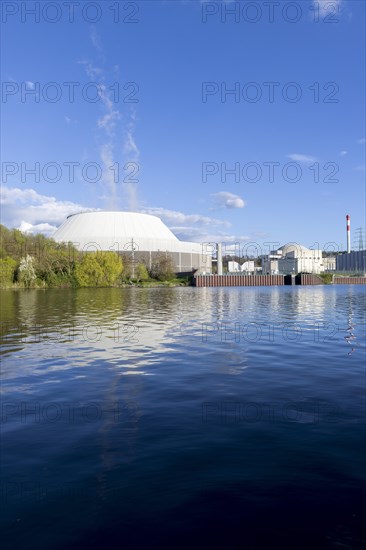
<point x="308" y="279"/>
<point x="238" y="280"/>
<point x="349" y="280"/>
<point x="270" y="280"/>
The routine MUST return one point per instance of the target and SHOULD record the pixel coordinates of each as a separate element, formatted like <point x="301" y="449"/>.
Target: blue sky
<point x="147" y="121"/>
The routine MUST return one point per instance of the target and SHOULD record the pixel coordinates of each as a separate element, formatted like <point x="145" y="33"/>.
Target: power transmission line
<point x="359" y="239"/>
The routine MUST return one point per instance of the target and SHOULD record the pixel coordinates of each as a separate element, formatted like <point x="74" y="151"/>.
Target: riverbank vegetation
<point x="35" y="261"/>
<point x="327" y="278"/>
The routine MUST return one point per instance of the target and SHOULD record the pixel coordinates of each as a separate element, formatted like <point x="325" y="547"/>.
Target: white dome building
<point x="293" y="258"/>
<point x="128" y="232"/>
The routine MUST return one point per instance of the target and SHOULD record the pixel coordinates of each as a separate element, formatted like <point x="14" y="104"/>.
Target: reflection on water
<point x="351" y="336"/>
<point x="139" y="321"/>
<point x="127" y="407"/>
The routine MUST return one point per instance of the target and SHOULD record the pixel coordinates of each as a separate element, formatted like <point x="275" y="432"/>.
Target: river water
<point x="175" y="417"/>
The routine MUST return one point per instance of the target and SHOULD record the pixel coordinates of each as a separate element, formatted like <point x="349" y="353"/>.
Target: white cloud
<point x="343" y="153"/>
<point x="92" y="71"/>
<point x="196" y="227"/>
<point x="326" y="10"/>
<point x="171" y="217"/>
<point x="224" y="199"/>
<point x="201" y="235"/>
<point x="132" y="154"/>
<point x="361" y="141"/>
<point x="360" y="168"/>
<point x="119" y="146"/>
<point x="35" y="212"/>
<point x="130" y="147"/>
<point x="305" y="159"/>
<point x="31" y="212"/>
<point x="29" y="84"/>
<point x="45" y="228"/>
<point x="95" y="38"/>
<point x="108" y="174"/>
<point x="108" y="120"/>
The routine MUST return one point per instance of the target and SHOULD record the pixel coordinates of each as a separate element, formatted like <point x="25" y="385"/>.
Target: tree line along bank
<point x="35" y="261"/>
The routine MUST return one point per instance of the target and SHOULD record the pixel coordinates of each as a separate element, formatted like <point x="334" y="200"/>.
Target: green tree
<point x="98" y="269"/>
<point x="56" y="259"/>
<point x="53" y="263"/>
<point x="142" y="273"/>
<point x="7" y="271"/>
<point x="128" y="267"/>
<point x="162" y="267"/>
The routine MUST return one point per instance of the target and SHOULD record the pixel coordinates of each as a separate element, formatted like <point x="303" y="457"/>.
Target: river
<point x="175" y="417"/>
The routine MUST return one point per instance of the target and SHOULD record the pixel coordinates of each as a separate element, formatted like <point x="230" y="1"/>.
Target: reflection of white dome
<point x="127" y="231"/>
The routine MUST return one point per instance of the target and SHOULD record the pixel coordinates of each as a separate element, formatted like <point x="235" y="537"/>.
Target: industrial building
<point x="293" y="258"/>
<point x="246" y="267"/>
<point x="270" y="263"/>
<point x="329" y="263"/>
<point x="352" y="262"/>
<point x="140" y="235"/>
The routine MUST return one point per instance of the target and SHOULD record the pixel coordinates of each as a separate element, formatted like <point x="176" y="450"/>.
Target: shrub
<point x="7" y="271"/>
<point x="141" y="273"/>
<point x="162" y="267"/>
<point x="98" y="269"/>
<point x="327" y="278"/>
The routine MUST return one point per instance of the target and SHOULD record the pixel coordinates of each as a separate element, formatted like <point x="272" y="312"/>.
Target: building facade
<point x="246" y="267"/>
<point x="352" y="262"/>
<point x="293" y="258"/>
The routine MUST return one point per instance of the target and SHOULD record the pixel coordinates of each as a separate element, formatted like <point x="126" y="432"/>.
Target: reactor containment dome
<point x="141" y="235"/>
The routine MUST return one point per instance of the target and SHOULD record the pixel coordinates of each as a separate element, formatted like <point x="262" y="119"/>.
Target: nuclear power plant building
<point x="293" y="258"/>
<point x="141" y="235"/>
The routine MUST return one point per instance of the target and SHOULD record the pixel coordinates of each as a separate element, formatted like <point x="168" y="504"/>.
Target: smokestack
<point x="348" y="234"/>
<point x="219" y="258"/>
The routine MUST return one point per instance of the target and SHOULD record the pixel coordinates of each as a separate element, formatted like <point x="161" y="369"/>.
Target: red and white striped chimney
<point x="348" y="234"/>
